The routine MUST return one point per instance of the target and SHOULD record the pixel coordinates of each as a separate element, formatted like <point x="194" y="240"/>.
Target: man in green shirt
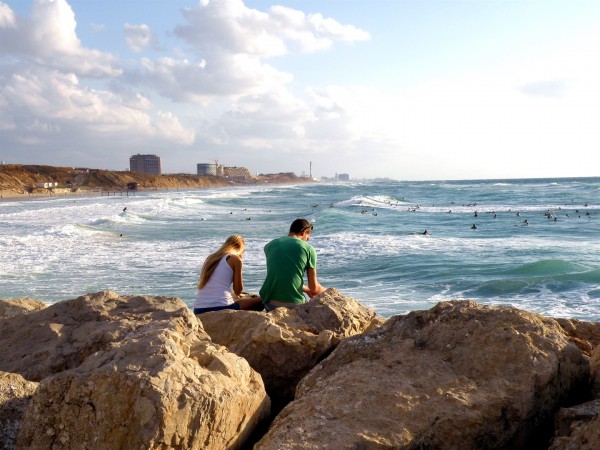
<point x="288" y="258"/>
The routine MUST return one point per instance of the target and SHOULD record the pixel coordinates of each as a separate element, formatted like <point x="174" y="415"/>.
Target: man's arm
<point x="314" y="287"/>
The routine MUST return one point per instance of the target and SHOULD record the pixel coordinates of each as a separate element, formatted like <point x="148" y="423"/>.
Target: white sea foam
<point x="380" y="202"/>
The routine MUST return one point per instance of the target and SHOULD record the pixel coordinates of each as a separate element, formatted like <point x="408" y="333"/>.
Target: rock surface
<point x="458" y="376"/>
<point x="578" y="428"/>
<point x="127" y="373"/>
<point x="285" y="344"/>
<point x="586" y="335"/>
<point x="62" y="336"/>
<point x="595" y="372"/>
<point x="15" y="394"/>
<point x="14" y="306"/>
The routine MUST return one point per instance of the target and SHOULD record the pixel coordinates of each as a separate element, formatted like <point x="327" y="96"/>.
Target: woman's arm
<point x="235" y="262"/>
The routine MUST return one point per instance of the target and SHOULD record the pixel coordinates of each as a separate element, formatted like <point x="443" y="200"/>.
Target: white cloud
<point x="46" y="103"/>
<point x="139" y="37"/>
<point x="232" y="27"/>
<point x="202" y="80"/>
<point x="262" y="121"/>
<point x="47" y="37"/>
<point x="231" y="42"/>
<point x="167" y="126"/>
<point x="7" y="16"/>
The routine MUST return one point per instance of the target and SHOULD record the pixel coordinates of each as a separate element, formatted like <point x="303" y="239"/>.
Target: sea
<point x="535" y="244"/>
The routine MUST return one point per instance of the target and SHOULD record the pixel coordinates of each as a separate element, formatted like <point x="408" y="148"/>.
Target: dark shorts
<point x="234" y="305"/>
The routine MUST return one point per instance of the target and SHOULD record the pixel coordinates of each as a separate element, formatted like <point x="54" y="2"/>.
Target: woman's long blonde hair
<point x="233" y="245"/>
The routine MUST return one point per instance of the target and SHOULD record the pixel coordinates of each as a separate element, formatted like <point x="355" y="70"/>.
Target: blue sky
<point x="411" y="89"/>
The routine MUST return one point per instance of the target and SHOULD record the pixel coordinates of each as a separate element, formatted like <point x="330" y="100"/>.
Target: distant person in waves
<point x="220" y="271"/>
<point x="288" y="259"/>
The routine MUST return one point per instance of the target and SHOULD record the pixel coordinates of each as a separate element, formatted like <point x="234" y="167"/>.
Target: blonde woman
<point x="220" y="271"/>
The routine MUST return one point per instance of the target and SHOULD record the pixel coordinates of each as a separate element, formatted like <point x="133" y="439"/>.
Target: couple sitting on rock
<point x="288" y="258"/>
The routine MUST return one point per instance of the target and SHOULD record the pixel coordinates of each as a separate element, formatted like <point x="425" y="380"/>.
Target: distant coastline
<point x="26" y="181"/>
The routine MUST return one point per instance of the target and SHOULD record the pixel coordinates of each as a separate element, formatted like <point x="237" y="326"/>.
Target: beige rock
<point x="15" y="394"/>
<point x="577" y="428"/>
<point x="61" y="336"/>
<point x="128" y="373"/>
<point x="586" y="335"/>
<point x="285" y="344"/>
<point x="14" y="306"/>
<point x="458" y="376"/>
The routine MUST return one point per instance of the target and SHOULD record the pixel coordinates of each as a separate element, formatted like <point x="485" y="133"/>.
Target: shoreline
<point x="25" y="182"/>
<point x="11" y="195"/>
<point x="7" y="195"/>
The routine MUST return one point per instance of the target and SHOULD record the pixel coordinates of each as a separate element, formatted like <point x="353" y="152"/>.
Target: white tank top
<point x="217" y="291"/>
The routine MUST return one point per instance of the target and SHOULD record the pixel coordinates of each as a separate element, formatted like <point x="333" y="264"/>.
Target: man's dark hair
<point x="299" y="225"/>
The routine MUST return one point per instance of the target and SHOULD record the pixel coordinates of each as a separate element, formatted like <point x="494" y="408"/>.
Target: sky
<point x="403" y="89"/>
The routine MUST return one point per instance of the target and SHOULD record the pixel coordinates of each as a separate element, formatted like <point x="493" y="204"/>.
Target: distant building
<point x="342" y="177"/>
<point x="47" y="184"/>
<point x="233" y="173"/>
<point x="236" y="173"/>
<point x="206" y="169"/>
<point x="148" y="164"/>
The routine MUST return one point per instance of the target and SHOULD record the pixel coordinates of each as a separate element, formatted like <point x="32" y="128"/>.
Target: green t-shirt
<point x="287" y="260"/>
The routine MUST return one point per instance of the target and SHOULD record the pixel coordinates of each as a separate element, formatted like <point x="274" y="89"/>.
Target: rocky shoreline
<point x="109" y="371"/>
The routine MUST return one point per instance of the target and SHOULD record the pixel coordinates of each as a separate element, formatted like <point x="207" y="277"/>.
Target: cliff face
<point x="19" y="178"/>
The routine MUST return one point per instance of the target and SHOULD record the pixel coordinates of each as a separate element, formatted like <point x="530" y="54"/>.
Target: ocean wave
<point x="186" y="202"/>
<point x="377" y="201"/>
<point x="546" y="267"/>
<point x="117" y="219"/>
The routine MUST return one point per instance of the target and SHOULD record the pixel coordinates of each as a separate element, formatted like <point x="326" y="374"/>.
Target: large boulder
<point x="458" y="376"/>
<point x="14" y="306"/>
<point x="285" y="344"/>
<point x="15" y="394"/>
<point x="63" y="335"/>
<point x="125" y="372"/>
<point x="578" y="427"/>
